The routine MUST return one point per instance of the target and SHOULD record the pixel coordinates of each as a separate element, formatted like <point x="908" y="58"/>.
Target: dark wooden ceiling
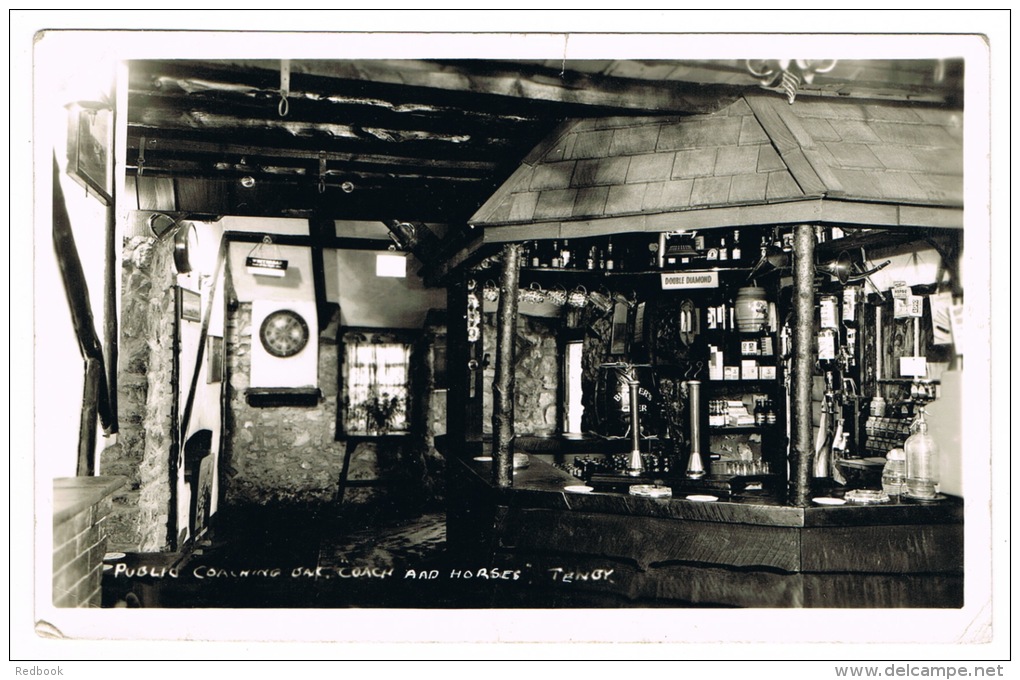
<point x="415" y="141"/>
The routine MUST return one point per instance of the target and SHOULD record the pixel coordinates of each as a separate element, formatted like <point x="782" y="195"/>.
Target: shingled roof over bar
<point x="760" y="150"/>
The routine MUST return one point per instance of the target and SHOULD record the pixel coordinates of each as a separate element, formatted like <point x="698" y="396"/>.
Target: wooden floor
<point x="280" y="560"/>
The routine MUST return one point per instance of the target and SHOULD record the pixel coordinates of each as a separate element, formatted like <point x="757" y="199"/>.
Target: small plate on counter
<point x="521" y="460"/>
<point x="702" y="498"/>
<point x="829" y="500"/>
<point x="650" y="491"/>
<point x="578" y="488"/>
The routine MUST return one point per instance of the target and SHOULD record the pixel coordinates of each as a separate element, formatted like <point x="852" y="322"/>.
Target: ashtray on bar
<point x="865" y="496"/>
<point x="650" y="491"/>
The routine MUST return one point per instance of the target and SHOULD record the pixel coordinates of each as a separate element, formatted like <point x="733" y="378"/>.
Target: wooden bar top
<point x="541" y="485"/>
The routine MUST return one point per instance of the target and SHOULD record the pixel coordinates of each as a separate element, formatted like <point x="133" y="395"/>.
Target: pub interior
<point x="675" y="333"/>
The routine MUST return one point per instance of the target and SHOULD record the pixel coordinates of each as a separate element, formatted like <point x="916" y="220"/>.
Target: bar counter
<point x="751" y="549"/>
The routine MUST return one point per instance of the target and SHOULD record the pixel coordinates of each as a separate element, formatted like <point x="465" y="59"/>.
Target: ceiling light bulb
<point x="248" y="181"/>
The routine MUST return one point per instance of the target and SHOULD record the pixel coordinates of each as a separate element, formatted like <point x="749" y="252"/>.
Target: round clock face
<point x="284" y="333"/>
<point x="185" y="248"/>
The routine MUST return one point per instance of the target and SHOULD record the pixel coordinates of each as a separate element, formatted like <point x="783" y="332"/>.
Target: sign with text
<point x="680" y="280"/>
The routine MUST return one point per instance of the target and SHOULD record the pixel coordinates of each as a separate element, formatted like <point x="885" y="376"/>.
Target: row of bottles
<point x="584" y="255"/>
<point x="583" y="467"/>
<point x="837" y="329"/>
<point x="733" y="413"/>
<point x="705" y="249"/>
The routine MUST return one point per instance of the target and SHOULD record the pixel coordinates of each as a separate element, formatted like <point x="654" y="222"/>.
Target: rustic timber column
<point x="803" y="361"/>
<point x="503" y="386"/>
<point x="457" y="367"/>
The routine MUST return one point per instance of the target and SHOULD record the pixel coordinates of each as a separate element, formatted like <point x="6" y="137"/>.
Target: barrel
<point x="751" y="309"/>
<point x="612" y="400"/>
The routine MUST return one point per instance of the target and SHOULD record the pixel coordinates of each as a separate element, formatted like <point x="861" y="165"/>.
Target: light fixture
<point x="390" y="265"/>
<point x="787" y="74"/>
<point x="161" y="224"/>
<point x="264" y="260"/>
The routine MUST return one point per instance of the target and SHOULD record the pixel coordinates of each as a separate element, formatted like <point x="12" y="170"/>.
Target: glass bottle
<point x="610" y="264"/>
<point x="566" y="255"/>
<point x="922" y="460"/>
<point x="894" y="474"/>
<point x="557" y="261"/>
<point x="759" y="412"/>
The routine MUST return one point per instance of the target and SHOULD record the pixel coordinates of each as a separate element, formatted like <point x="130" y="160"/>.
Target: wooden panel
<point x="650" y="167"/>
<point x="557" y="203"/>
<point x="649" y="540"/>
<point x="552" y="175"/>
<point x="601" y="171"/>
<point x="873" y="214"/>
<point x="710" y="191"/>
<point x="736" y="160"/>
<point x="921" y="216"/>
<point x="633" y="140"/>
<point x="590" y="202"/>
<point x="669" y="195"/>
<point x="782" y="186"/>
<point x="625" y="198"/>
<point x="748" y="188"/>
<point x="925" y="548"/>
<point x="695" y="162"/>
<point x="874" y="591"/>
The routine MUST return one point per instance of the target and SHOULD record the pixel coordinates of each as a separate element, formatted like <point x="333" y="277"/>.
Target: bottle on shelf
<point x="759" y="411"/>
<point x="735" y="253"/>
<point x="610" y="262"/>
<point x="536" y="255"/>
<point x="653" y="254"/>
<point x="592" y="260"/>
<point x="922" y="460"/>
<point x="566" y="255"/>
<point x="770" y="412"/>
<point x="724" y="251"/>
<point x="557" y="262"/>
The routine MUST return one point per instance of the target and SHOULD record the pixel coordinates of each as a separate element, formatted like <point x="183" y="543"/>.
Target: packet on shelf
<point x="737" y="414"/>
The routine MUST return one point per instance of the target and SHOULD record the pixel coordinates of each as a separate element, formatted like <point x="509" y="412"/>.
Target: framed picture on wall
<point x="214" y="354"/>
<point x="90" y="149"/>
<point x="191" y="305"/>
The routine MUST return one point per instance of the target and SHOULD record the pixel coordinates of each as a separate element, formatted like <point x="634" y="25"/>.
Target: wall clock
<point x="185" y="248"/>
<point x="284" y="333"/>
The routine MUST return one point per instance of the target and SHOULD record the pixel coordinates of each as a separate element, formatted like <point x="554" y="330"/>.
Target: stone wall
<point x="537" y="375"/>
<point x="282" y="455"/>
<point x="138" y="522"/>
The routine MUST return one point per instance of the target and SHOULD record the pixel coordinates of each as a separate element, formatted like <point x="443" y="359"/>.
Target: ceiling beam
<point x="471" y="84"/>
<point x="162" y="142"/>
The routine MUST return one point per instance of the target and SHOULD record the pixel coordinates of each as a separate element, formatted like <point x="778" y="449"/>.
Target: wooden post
<point x="89" y="410"/>
<point x="110" y="323"/>
<point x="504" y="384"/>
<point x="803" y="362"/>
<point x="456" y="365"/>
<point x="321" y="229"/>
